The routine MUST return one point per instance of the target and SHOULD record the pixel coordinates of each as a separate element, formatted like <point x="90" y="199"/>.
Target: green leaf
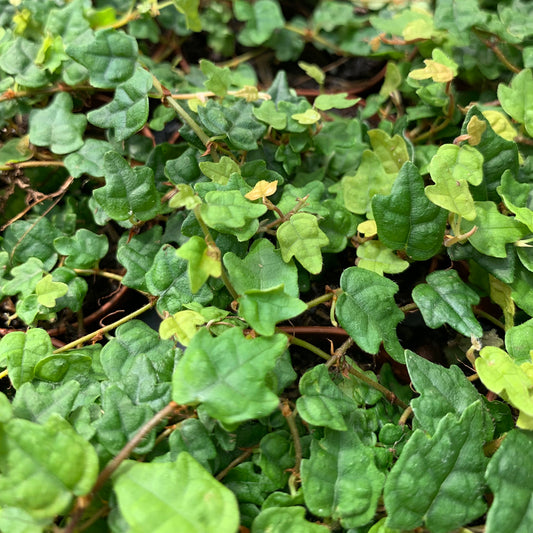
<point x="442" y="391"/>
<point x="183" y="325"/>
<point x="22" y="352"/>
<point x="218" y="79"/>
<point x="458" y="15"/>
<point x="15" y="151"/>
<point x="451" y="168"/>
<point x="202" y="260"/>
<point x="367" y="323"/>
<point x="57" y="127"/>
<point x="168" y="279"/>
<point x="49" y="291"/>
<point x="308" y="117"/>
<point x="325" y="102"/>
<point x="128" y="111"/>
<point x="220" y="171"/>
<point x="519" y="343"/>
<point x="264" y="308"/>
<point x="375" y="256"/>
<point x="391" y="151"/>
<point x="285" y="520"/>
<point x="494" y="230"/>
<point x="128" y="191"/>
<point x="509" y="479"/>
<point x="262" y="19"/>
<point x="59" y="367"/>
<point x="340" y="479"/>
<point x="190" y="9"/>
<point x="19" y="60"/>
<point x="268" y="113"/>
<point x="446" y="299"/>
<point x="262" y="268"/>
<point x="192" y="437"/>
<point x="84" y="249"/>
<point x="516" y="197"/>
<point x="445" y="490"/>
<point x="232" y="385"/>
<point x="313" y="71"/>
<point x="25" y="278"/>
<point x="407" y="220"/>
<point x="88" y="159"/>
<point x="322" y="403"/>
<point x="182" y="495"/>
<point x="515" y="100"/>
<point x="44" y="466"/>
<point x="292" y="196"/>
<point x="109" y="56"/>
<point x="301" y="237"/>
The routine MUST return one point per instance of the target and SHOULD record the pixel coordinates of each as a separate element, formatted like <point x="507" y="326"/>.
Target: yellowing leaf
<point x="262" y="189"/>
<point x="368" y="228"/>
<point x="183" y="325"/>
<point x="434" y="71"/>
<point x="475" y="129"/>
<point x="500" y="124"/>
<point x="309" y="117"/>
<point x="313" y="71"/>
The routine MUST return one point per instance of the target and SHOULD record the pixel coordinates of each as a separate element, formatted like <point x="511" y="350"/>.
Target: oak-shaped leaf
<point x="109" y="55"/>
<point x="300" y="237"/>
<point x="375" y="256"/>
<point x="406" y="219"/>
<point x="83" y="250"/>
<point x="228" y="375"/>
<point x="174" y="496"/>
<point x="57" y="127"/>
<point x="517" y="198"/>
<point x="19" y="58"/>
<point x="203" y="261"/>
<point x="285" y="520"/>
<point x="367" y="311"/>
<point x="445" y="298"/>
<point x="48" y="291"/>
<point x="264" y="308"/>
<point x="89" y="159"/>
<point x="515" y="99"/>
<point x="128" y="191"/>
<point x="445" y="489"/>
<point x="128" y="111"/>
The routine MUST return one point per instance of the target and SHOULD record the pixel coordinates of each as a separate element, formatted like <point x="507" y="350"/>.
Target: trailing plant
<point x="339" y="265"/>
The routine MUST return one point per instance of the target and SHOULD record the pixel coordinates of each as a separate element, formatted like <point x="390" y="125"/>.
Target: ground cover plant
<point x="323" y="209"/>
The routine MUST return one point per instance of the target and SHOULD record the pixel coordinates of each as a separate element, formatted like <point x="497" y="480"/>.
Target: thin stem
<point x="28" y="164"/>
<point x="3" y="374"/>
<point x="408" y="411"/>
<point x="98" y="272"/>
<point x="105" y="329"/>
<point x="311" y="36"/>
<point x="320" y="300"/>
<point x="237" y="461"/>
<point x="340" y="351"/>
<point x="290" y="417"/>
<point x="490" y="318"/>
<point x="409" y="307"/>
<point x="307" y="345"/>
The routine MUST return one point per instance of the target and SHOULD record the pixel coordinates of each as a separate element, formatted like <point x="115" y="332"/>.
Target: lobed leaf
<point x="515" y="99"/>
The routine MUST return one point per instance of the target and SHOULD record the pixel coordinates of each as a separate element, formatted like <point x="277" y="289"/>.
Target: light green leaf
<point x="262" y="268"/>
<point x="22" y="352"/>
<point x="25" y="278"/>
<point x="15" y="151"/>
<point x="202" y="260"/>
<point x="301" y="237"/>
<point x="190" y="9"/>
<point x="313" y="71"/>
<point x="519" y="342"/>
<point x="262" y="19"/>
<point x="218" y="79"/>
<point x="314" y="204"/>
<point x="232" y="383"/>
<point x="325" y="102"/>
<point x="322" y="403"/>
<point x="494" y="230"/>
<point x="18" y="59"/>
<point x="83" y="250"/>
<point x="446" y="299"/>
<point x="391" y="151"/>
<point x="366" y="322"/>
<point x="177" y="496"/>
<point x="49" y="291"/>
<point x="89" y="159"/>
<point x="220" y="171"/>
<point x="516" y="101"/>
<point x="310" y="116"/>
<point x="44" y="466"/>
<point x="128" y="191"/>
<point x="285" y="520"/>
<point x="445" y="490"/>
<point x="264" y="308"/>
<point x="340" y="479"/>
<point x="183" y="325"/>
<point x="57" y="127"/>
<point x="407" y="220"/>
<point x="185" y="197"/>
<point x="375" y="256"/>
<point x="128" y="111"/>
<point x="516" y="197"/>
<point x="110" y="57"/>
<point x="268" y="114"/>
<point x="442" y="391"/>
<point x="512" y="486"/>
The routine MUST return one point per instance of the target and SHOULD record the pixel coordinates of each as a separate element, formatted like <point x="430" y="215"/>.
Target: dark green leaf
<point x="88" y="159"/>
<point x="84" y="249"/>
<point x="262" y="19"/>
<point x="19" y="60"/>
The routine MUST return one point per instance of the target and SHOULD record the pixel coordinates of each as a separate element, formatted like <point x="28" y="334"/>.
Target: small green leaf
<point x="220" y="171"/>
<point x="128" y="191"/>
<point x="218" y="79"/>
<point x="19" y="58"/>
<point x="375" y="256"/>
<point x="407" y="220"/>
<point x="301" y="237"/>
<point x="23" y="351"/>
<point x="264" y="308"/>
<point x="519" y="342"/>
<point x="15" y="151"/>
<point x="183" y="325"/>
<point x="509" y="479"/>
<point x="128" y="111"/>
<point x="89" y="159"/>
<point x="322" y="403"/>
<point x="190" y="9"/>
<point x="445" y="490"/>
<point x="367" y="323"/>
<point x="446" y="299"/>
<point x="325" y="102"/>
<point x="57" y="127"/>
<point x="44" y="466"/>
<point x="203" y="261"/>
<point x="49" y="291"/>
<point x="313" y="71"/>
<point x="262" y="19"/>
<point x="268" y="114"/>
<point x="310" y="116"/>
<point x="340" y="479"/>
<point x="285" y="520"/>
<point x="185" y="197"/>
<point x="232" y="386"/>
<point x="262" y="268"/>
<point x="84" y="249"/>
<point x="109" y="56"/>
<point x="515" y="100"/>
<point x="292" y="195"/>
<point x="25" y="278"/>
<point x="494" y="230"/>
<point x="391" y="151"/>
<point x="516" y="197"/>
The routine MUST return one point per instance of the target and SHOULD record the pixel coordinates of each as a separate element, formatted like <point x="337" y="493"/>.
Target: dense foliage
<point x="328" y="207"/>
